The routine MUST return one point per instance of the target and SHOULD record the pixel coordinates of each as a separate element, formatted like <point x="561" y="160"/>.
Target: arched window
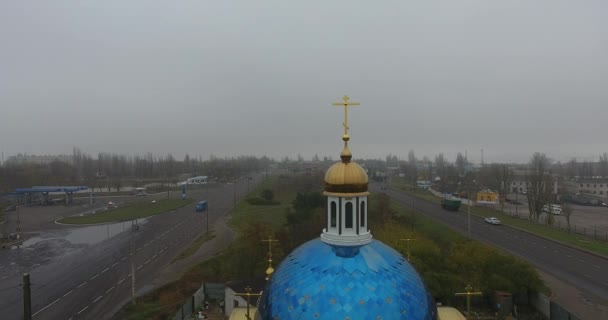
<point x="348" y="218"/>
<point x="362" y="214"/>
<point x="333" y="215"/>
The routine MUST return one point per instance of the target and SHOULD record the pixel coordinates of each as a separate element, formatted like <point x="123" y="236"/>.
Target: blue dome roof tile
<point x="320" y="281"/>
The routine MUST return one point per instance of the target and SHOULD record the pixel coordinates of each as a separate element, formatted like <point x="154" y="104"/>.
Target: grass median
<point x="134" y="210"/>
<point x="246" y="213"/>
<point x="538" y="229"/>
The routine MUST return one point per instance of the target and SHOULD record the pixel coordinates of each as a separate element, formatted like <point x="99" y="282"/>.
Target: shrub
<point x="261" y="202"/>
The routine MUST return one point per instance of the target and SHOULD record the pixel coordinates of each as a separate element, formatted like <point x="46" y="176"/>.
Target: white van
<point x="555" y="209"/>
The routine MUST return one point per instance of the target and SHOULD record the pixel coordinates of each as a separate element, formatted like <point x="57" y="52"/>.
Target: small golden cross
<point x="346" y="103"/>
<point x="270" y="269"/>
<point x="469" y="292"/>
<point x="408" y="246"/>
<point x="248" y="294"/>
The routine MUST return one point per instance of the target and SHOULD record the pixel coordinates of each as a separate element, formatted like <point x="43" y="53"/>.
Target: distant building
<point x="424" y="184"/>
<point x="195" y="180"/>
<point x="520" y="184"/>
<point x="598" y="188"/>
<point x="36" y="159"/>
<point x="488" y="197"/>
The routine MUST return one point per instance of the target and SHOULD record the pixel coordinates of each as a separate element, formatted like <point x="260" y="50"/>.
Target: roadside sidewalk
<point x="223" y="237"/>
<point x="583" y="305"/>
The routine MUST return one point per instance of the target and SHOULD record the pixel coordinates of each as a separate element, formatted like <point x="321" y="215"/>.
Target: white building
<point x="592" y="187"/>
<point x="195" y="180"/>
<point x="521" y="185"/>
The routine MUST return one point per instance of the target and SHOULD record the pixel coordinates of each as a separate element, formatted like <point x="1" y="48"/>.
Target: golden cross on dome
<point x="346" y="103"/>
<point x="248" y="294"/>
<point x="270" y="269"/>
<point x="408" y="239"/>
<point x="469" y="292"/>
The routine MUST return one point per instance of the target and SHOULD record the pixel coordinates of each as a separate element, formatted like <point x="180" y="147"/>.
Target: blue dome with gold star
<point x="321" y="281"/>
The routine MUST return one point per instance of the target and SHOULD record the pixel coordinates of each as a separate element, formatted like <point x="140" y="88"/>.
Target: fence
<point x="550" y="309"/>
<point x="207" y="291"/>
<point x="188" y="309"/>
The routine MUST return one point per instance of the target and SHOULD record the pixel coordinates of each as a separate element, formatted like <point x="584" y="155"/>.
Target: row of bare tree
<point x="111" y="170"/>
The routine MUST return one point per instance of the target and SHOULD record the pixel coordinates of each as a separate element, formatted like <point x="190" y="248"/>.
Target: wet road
<point x="582" y="270"/>
<point x="75" y="277"/>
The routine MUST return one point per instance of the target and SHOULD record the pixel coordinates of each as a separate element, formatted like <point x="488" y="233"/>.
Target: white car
<point x="492" y="220"/>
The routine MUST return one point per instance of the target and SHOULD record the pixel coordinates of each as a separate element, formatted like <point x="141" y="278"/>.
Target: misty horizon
<point x="230" y="79"/>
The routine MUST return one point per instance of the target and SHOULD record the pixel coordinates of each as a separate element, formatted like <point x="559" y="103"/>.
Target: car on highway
<point x="493" y="220"/>
<point x="112" y="205"/>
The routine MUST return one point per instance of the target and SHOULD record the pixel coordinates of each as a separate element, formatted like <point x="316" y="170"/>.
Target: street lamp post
<point x="234" y="193"/>
<point x="469" y="214"/>
<point x="207" y="187"/>
<point x="516" y="204"/>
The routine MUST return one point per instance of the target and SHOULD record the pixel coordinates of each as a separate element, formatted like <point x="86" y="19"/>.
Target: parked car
<point x="554" y="208"/>
<point x="493" y="220"/>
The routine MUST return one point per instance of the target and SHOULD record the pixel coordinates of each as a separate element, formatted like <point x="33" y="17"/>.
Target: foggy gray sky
<point x="258" y="77"/>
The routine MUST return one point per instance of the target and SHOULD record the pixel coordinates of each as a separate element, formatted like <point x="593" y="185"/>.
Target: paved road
<point x="585" y="271"/>
<point x="92" y="281"/>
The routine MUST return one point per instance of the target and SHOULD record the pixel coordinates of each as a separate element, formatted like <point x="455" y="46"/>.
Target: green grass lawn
<point x="532" y="227"/>
<point x="245" y="213"/>
<point x="134" y="210"/>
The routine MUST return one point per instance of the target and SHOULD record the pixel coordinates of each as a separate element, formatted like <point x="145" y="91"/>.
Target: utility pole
<point x="413" y="200"/>
<point x="516" y="204"/>
<point x="18" y="222"/>
<point x="482" y="157"/>
<point x="132" y="268"/>
<point x="469" y="212"/>
<point x="27" y="297"/>
<point x="207" y="187"/>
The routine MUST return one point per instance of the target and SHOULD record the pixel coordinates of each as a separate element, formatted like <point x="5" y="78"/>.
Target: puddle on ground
<point x="84" y="235"/>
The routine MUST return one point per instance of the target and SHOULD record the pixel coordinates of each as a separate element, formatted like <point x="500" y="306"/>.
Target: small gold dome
<point x="346" y="176"/>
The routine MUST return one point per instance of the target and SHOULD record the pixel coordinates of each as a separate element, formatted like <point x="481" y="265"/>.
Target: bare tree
<point x="603" y="165"/>
<point x="440" y="165"/>
<point x="411" y="162"/>
<point x="499" y="178"/>
<point x="571" y="169"/>
<point x="460" y="163"/>
<point x="567" y="212"/>
<point x="540" y="183"/>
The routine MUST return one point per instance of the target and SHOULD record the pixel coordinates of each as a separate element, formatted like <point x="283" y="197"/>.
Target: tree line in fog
<point x="113" y="169"/>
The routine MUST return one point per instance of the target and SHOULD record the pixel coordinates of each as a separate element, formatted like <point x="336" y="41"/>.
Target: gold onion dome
<point x="346" y="176"/>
